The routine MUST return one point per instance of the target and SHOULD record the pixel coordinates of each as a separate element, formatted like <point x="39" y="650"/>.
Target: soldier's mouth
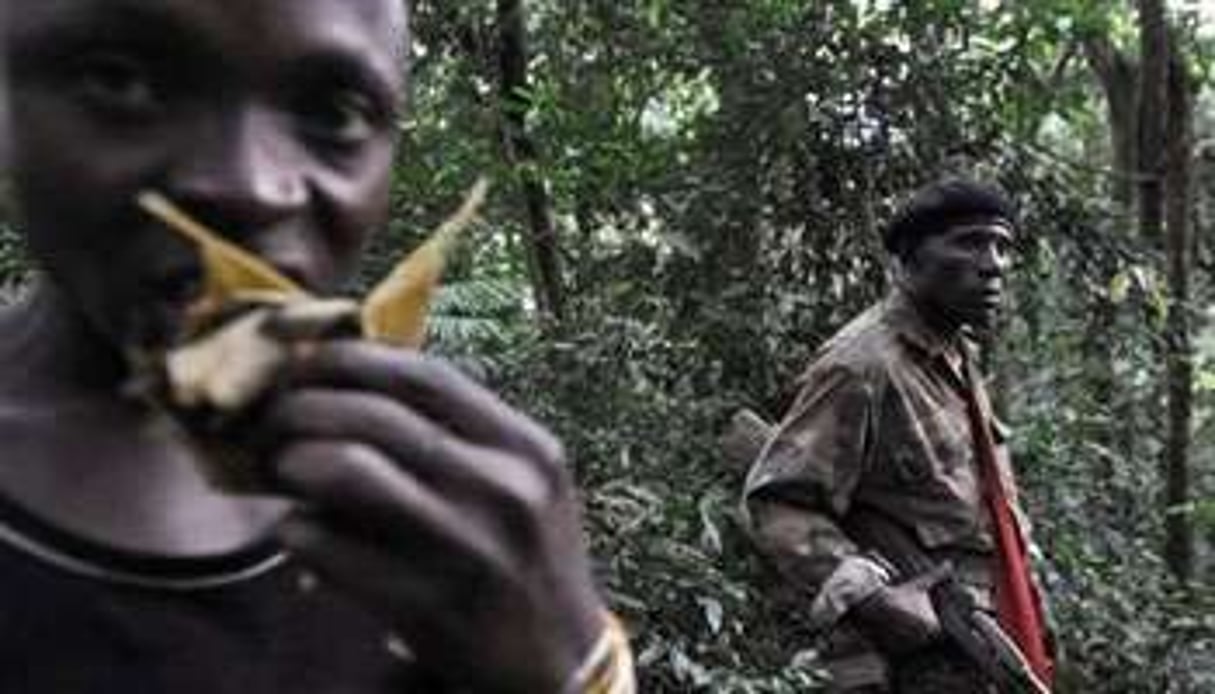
<point x="991" y="297"/>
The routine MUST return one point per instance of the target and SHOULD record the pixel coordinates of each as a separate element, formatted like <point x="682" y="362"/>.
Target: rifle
<point x="975" y="632"/>
<point x="969" y="627"/>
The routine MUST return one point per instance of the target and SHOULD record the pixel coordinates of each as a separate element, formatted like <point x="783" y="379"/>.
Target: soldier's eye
<point x="117" y="83"/>
<point x="975" y="242"/>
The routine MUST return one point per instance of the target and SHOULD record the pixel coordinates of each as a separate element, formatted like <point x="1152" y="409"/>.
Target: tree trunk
<point x="1178" y="355"/>
<point x="544" y="256"/>
<point x="1153" y="95"/>
<point x="1164" y="119"/>
<point x="1114" y="433"/>
<point x="1119" y="78"/>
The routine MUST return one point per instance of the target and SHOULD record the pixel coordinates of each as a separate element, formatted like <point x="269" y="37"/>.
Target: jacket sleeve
<point x="802" y="484"/>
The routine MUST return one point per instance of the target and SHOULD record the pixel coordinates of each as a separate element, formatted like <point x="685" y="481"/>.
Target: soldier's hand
<point x="901" y="618"/>
<point x="446" y="511"/>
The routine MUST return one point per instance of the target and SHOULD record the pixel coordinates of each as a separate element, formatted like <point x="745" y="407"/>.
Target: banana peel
<point x="249" y="316"/>
<point x="395" y="310"/>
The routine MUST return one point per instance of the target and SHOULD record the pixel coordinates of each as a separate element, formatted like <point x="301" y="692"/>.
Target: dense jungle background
<point x="688" y="200"/>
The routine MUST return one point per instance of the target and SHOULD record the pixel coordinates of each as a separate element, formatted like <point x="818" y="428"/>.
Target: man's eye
<point x="346" y="118"/>
<point x="977" y="243"/>
<point x="117" y="83"/>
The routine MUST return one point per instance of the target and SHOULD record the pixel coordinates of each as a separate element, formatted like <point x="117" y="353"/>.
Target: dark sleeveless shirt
<point x="252" y="622"/>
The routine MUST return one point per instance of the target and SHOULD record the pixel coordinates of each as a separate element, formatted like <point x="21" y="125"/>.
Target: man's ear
<point x="896" y="272"/>
<point x="6" y="138"/>
<point x="6" y="207"/>
<point x="901" y="265"/>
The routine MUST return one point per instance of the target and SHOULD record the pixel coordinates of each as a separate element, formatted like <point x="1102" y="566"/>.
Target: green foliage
<point x="475" y="321"/>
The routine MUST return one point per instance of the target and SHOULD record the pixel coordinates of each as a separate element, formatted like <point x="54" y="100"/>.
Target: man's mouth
<point x="162" y="300"/>
<point x="991" y="298"/>
<point x="176" y="287"/>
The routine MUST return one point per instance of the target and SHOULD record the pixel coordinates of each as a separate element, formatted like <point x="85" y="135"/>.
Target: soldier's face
<point x="271" y="120"/>
<point x="960" y="272"/>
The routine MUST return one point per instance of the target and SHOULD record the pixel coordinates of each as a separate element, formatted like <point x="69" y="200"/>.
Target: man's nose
<point x="240" y="173"/>
<point x="993" y="260"/>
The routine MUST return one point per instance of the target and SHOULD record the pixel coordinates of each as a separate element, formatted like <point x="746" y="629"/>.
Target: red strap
<point x="1018" y="605"/>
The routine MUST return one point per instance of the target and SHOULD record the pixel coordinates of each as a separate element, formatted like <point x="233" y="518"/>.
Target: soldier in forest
<point x="422" y="536"/>
<point x="885" y="494"/>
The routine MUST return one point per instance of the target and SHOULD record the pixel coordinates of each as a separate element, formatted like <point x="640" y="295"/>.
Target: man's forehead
<point x="987" y="227"/>
<point x="368" y="27"/>
<point x="371" y="11"/>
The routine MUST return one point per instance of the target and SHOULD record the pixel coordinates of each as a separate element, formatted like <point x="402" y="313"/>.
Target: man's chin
<point x="983" y="322"/>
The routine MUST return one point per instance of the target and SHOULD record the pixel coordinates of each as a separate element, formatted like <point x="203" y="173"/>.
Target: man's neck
<point x="948" y="333"/>
<point x="80" y="455"/>
<point x="941" y="323"/>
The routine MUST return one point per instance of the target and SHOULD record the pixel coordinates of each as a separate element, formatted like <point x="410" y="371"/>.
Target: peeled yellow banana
<point x="249" y="315"/>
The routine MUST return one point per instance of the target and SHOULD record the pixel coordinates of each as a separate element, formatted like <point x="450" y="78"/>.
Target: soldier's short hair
<point x="942" y="204"/>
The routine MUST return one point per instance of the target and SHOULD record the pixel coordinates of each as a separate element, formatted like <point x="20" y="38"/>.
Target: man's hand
<point x="900" y="618"/>
<point x="443" y="509"/>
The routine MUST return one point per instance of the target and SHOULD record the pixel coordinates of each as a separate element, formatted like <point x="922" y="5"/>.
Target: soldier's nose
<point x="993" y="260"/>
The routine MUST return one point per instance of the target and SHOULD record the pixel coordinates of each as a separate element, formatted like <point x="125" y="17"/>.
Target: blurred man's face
<point x="271" y="120"/>
<point x="959" y="273"/>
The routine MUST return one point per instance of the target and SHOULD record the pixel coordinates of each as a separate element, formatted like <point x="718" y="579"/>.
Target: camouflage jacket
<point x="881" y="423"/>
